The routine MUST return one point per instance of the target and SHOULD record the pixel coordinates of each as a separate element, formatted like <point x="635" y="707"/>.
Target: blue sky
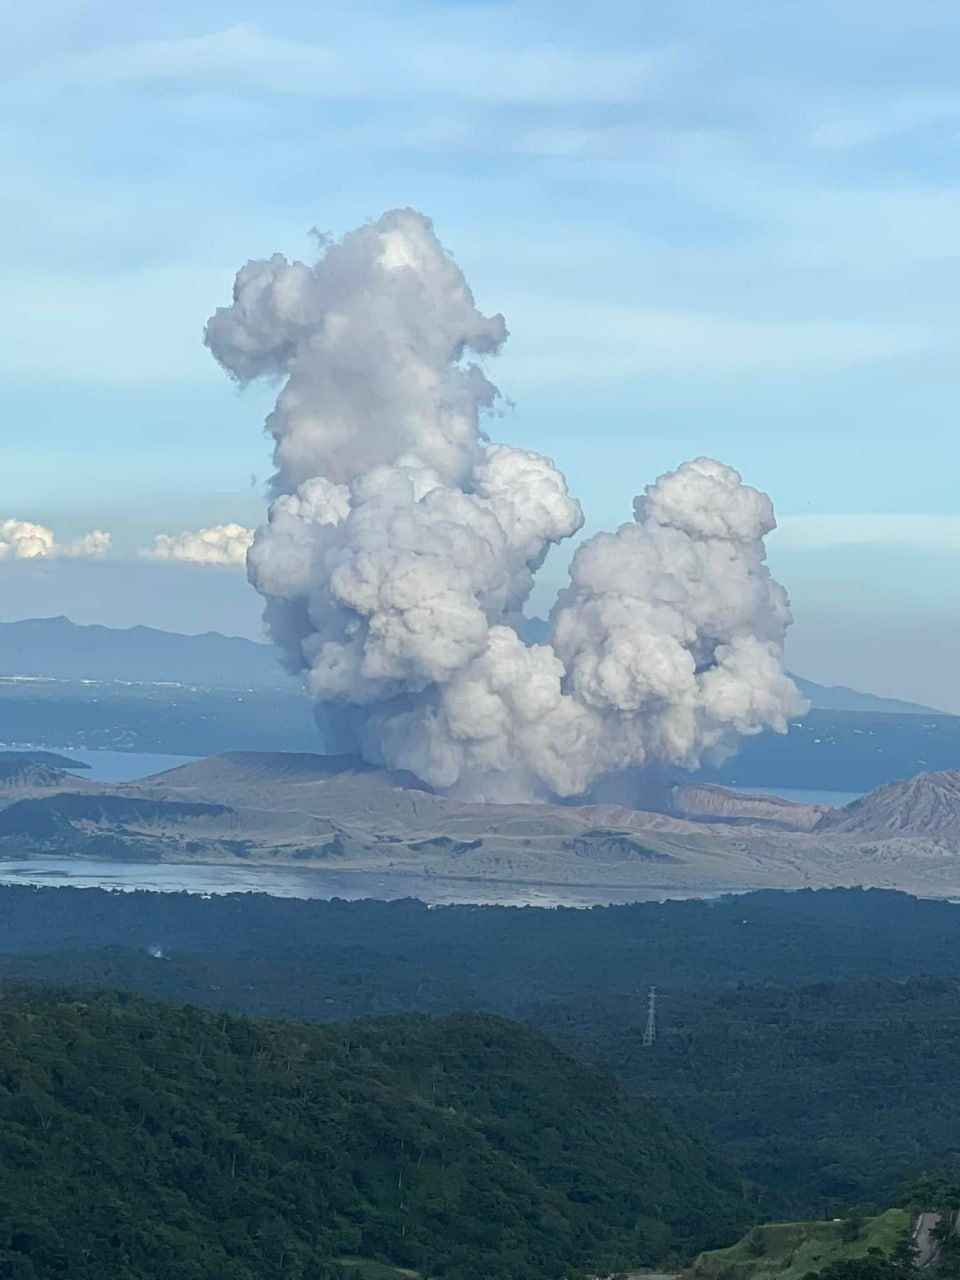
<point x="726" y="228"/>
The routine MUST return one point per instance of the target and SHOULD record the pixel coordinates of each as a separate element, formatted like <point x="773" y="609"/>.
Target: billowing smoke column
<point x="401" y="547"/>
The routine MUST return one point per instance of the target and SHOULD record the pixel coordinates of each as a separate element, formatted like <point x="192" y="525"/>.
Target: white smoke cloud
<point x="95" y="543"/>
<point x="401" y="546"/>
<point x="220" y="544"/>
<point x="22" y="540"/>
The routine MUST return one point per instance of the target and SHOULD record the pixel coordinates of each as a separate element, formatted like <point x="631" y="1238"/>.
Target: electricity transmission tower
<point x="650" y="1030"/>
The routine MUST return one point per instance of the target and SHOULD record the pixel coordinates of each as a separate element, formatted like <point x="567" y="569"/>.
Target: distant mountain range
<point x="837" y="697"/>
<point x="57" y="648"/>
<point x="60" y="649"/>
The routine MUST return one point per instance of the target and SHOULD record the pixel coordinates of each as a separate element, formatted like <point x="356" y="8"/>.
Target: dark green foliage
<point x="905" y="1253"/>
<point x="852" y="1228"/>
<point x="470" y="953"/>
<point x="756" y="1243"/>
<point x="146" y="1141"/>
<point x="935" y="1191"/>
<point x="828" y="1094"/>
<point x="825" y="1095"/>
<point x="872" y="1268"/>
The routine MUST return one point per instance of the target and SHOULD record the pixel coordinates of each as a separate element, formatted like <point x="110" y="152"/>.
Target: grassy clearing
<point x="790" y="1249"/>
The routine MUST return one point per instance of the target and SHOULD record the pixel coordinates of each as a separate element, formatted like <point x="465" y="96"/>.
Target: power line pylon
<point x="650" y="1030"/>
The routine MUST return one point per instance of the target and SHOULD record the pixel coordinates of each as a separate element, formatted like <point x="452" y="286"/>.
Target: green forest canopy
<point x="797" y="1081"/>
<point x="145" y="1140"/>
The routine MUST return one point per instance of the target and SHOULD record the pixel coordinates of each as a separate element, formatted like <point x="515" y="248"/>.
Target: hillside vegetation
<point x="474" y="953"/>
<point x="792" y="1250"/>
<point x="824" y="1094"/>
<point x="147" y="1141"/>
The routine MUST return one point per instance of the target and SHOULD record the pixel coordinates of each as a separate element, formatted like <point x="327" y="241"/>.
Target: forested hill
<point x="747" y="1057"/>
<point x="145" y="1140"/>
<point x="312" y="958"/>
<point x="830" y="1094"/>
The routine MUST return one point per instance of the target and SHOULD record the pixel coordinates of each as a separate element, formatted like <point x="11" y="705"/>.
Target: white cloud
<point x="95" y="543"/>
<point x="220" y="544"/>
<point x="23" y="540"/>
<point x="398" y="65"/>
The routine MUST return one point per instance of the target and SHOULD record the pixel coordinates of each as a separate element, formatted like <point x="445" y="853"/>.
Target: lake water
<point x="294" y="882"/>
<point x="122" y="766"/>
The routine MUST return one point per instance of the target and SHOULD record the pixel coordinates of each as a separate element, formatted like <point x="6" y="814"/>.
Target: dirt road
<point x="925" y="1242"/>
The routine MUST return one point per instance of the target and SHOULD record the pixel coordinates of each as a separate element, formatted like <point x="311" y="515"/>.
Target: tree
<point x="851" y="1228"/>
<point x="756" y="1243"/>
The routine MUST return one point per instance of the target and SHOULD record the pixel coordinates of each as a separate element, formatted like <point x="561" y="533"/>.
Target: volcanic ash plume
<point x="401" y="547"/>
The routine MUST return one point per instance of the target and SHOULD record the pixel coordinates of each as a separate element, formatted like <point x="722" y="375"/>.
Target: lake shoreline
<point x="286" y="880"/>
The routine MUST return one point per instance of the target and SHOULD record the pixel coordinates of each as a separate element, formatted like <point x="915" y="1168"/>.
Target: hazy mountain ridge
<point x="847" y="750"/>
<point x="60" y="649"/>
<point x="839" y="697"/>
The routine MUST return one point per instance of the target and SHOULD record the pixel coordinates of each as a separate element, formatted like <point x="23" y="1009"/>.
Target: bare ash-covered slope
<point x="926" y="805"/>
<point x="339" y="811"/>
<point x="704" y="802"/>
<point x="306" y="810"/>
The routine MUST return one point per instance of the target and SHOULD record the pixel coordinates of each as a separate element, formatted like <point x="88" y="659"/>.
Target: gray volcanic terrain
<point x="338" y="812"/>
<point x="926" y="806"/>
